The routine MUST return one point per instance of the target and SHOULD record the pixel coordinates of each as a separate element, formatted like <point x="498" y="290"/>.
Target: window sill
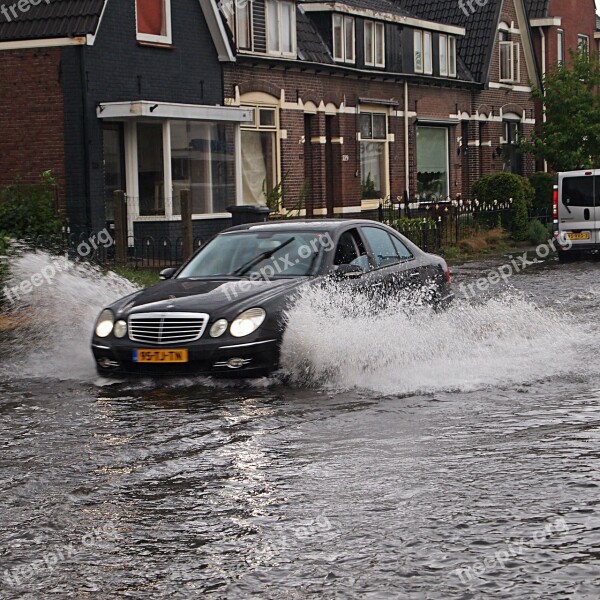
<point x="165" y="45"/>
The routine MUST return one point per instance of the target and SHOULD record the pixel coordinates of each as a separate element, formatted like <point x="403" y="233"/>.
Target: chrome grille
<point x="167" y="328"/>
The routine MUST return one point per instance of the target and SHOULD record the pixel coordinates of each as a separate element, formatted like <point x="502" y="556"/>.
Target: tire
<point x="567" y="256"/>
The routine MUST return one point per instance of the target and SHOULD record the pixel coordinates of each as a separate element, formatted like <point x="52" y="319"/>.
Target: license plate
<point x="584" y="235"/>
<point x="160" y="356"/>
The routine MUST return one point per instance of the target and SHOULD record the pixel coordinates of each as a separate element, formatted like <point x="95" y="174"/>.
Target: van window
<point x="578" y="191"/>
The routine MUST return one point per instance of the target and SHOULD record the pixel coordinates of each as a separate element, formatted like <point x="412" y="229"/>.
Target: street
<point x="415" y="455"/>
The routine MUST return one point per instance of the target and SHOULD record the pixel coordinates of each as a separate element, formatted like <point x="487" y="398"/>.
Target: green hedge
<point x="27" y="212"/>
<point x="543" y="184"/>
<point x="501" y="187"/>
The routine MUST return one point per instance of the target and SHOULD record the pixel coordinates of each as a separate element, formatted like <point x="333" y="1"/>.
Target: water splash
<point x="337" y="339"/>
<point x="57" y="315"/>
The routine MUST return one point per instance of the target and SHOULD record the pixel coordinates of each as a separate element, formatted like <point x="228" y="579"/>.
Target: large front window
<point x="259" y="156"/>
<point x="203" y="162"/>
<point x="153" y="21"/>
<point x="177" y="155"/>
<point x="373" y="154"/>
<point x="281" y="27"/>
<point x="432" y="163"/>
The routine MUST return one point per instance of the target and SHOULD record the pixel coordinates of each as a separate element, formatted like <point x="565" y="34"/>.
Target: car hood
<point x="206" y="295"/>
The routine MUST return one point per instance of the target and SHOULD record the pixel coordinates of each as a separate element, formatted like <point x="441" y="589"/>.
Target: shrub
<point x="543" y="184"/>
<point x="501" y="187"/>
<point x="537" y="233"/>
<point x="27" y="211"/>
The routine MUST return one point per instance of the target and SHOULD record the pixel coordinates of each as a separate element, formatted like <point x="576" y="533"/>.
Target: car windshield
<point x="264" y="254"/>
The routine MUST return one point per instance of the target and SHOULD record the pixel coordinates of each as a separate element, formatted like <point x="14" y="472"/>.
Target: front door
<point x="114" y="164"/>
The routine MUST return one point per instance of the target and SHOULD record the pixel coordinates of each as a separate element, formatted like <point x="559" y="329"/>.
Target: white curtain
<point x="255" y="168"/>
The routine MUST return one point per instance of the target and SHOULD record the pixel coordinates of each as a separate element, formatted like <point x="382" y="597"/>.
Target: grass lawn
<point x="141" y="277"/>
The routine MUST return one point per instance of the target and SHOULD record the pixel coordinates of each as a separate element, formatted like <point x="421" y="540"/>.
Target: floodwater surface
<point x="406" y="454"/>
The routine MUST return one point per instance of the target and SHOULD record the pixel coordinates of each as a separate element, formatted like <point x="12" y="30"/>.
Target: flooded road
<point x="415" y="456"/>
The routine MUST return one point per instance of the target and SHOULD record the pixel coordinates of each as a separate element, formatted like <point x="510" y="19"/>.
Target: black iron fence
<point x="434" y="226"/>
<point x="141" y="252"/>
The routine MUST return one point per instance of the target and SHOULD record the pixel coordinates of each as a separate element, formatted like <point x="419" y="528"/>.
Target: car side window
<point x="350" y="250"/>
<point x="384" y="250"/>
<point x="403" y="252"/>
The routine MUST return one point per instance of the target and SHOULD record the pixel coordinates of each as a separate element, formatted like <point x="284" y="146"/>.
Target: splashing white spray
<point x="58" y="316"/>
<point x="337" y="339"/>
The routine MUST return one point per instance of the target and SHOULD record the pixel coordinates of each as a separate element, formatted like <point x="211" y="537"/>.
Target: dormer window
<point x="153" y="19"/>
<point x="239" y="20"/>
<point x="423" y="50"/>
<point x="343" y="38"/>
<point x="374" y="44"/>
<point x="510" y="59"/>
<point x="281" y="27"/>
<point x="447" y="56"/>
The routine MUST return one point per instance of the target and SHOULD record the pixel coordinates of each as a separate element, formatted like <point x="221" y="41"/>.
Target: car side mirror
<point x="168" y="273"/>
<point x="348" y="271"/>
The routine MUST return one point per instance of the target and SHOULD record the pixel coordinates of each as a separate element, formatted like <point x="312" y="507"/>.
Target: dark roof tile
<point x="311" y="46"/>
<point x="57" y="18"/>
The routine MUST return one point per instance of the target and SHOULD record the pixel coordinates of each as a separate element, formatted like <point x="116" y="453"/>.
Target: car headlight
<point x="105" y="323"/>
<point x="247" y="322"/>
<point x="120" y="330"/>
<point x="219" y="328"/>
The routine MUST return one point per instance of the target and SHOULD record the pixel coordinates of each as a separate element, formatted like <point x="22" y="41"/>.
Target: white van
<point x="576" y="213"/>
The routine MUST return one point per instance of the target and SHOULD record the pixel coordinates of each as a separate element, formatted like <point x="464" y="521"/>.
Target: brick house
<point x="365" y="99"/>
<point x="120" y="95"/>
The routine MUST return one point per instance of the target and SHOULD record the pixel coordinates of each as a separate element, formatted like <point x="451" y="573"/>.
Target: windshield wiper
<point x="262" y="256"/>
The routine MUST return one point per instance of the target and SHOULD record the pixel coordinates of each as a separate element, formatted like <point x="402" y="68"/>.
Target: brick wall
<point x="31" y="116"/>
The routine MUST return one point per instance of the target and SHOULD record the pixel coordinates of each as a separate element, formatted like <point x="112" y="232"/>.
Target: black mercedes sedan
<point x="223" y="312"/>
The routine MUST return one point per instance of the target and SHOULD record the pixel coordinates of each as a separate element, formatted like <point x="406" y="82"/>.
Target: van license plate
<point x="160" y="356"/>
<point x="584" y="235"/>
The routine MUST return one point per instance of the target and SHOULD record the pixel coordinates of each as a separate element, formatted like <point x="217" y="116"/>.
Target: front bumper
<point x="217" y="357"/>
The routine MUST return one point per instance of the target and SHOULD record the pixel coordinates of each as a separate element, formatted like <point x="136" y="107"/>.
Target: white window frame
<point x="269" y="4"/>
<point x="373" y="110"/>
<point x="157" y="39"/>
<point x="257" y="127"/>
<point x="583" y="44"/>
<point x="444" y="60"/>
<point x="560" y="46"/>
<point x="451" y="56"/>
<point x="132" y="174"/>
<point x="377" y="39"/>
<point x="419" y="59"/>
<point x="427" y="53"/>
<point x="514" y="62"/>
<point x="348" y="26"/>
<point x="248" y="4"/>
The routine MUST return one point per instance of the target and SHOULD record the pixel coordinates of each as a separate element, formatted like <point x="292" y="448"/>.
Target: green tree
<point x="569" y="138"/>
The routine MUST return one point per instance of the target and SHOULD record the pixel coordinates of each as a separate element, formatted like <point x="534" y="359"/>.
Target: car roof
<point x="296" y="224"/>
